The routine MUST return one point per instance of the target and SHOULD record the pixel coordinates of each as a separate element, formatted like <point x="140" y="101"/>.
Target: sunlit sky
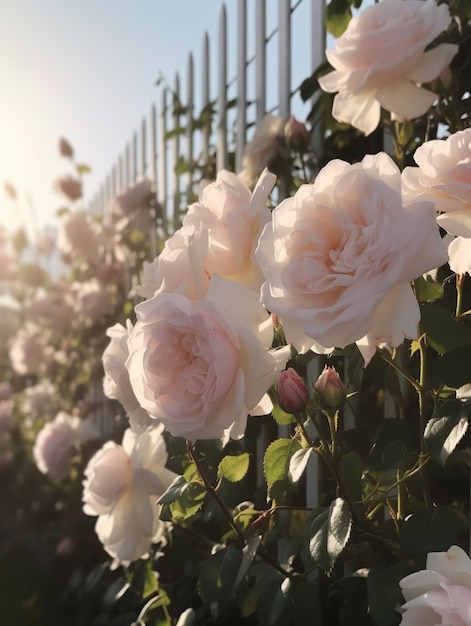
<point x="85" y="70"/>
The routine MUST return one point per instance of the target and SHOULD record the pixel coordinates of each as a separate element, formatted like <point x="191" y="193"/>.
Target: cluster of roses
<point x="334" y="263"/>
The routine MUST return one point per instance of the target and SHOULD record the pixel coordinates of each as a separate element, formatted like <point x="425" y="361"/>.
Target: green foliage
<point x="276" y="465"/>
<point x="234" y="467"/>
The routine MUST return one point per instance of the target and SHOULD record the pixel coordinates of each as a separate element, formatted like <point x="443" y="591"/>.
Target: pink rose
<point x="218" y="236"/>
<point x="54" y="445"/>
<point x="380" y="61"/>
<point x="93" y="300"/>
<point x="80" y="237"/>
<point x="339" y="255"/>
<point x="201" y="367"/>
<point x="443" y="176"/>
<point x="121" y="486"/>
<point x="27" y="351"/>
<point x="116" y="383"/>
<point x="440" y="594"/>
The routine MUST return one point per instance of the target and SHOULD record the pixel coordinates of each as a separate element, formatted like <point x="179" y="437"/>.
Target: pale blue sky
<point x="86" y="70"/>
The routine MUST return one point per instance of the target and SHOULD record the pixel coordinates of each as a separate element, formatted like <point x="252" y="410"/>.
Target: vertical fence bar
<point x="318" y="45"/>
<point x="284" y="57"/>
<point x="261" y="59"/>
<point x="153" y="178"/>
<point x="189" y="131"/>
<point x="205" y="98"/>
<point x="135" y="167"/>
<point x="163" y="186"/>
<point x="143" y="147"/>
<point x="221" y="154"/>
<point x="175" y="155"/>
<point x="241" y="121"/>
<point x="128" y="166"/>
<point x="120" y="174"/>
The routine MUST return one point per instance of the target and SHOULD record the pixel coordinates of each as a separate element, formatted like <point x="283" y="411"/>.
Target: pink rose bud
<point x="65" y="148"/>
<point x="70" y="187"/>
<point x="292" y="391"/>
<point x="330" y="388"/>
<point x="296" y="134"/>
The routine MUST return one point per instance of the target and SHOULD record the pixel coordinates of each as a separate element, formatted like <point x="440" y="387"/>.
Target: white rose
<point x="54" y="445"/>
<point x="201" y="367"/>
<point x="80" y="237"/>
<point x="121" y="486"/>
<point x="339" y="256"/>
<point x="443" y="176"/>
<point x="380" y="61"/>
<point x="440" y="594"/>
<point x="27" y="351"/>
<point x="459" y="251"/>
<point x="92" y="299"/>
<point x="116" y="383"/>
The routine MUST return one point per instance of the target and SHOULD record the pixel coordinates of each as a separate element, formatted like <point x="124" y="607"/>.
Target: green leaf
<point x="276" y="462"/>
<point x="452" y="369"/>
<point x="248" y="555"/>
<point x="443" y="433"/>
<point x="337" y="16"/>
<point x="432" y="529"/>
<point x="427" y="290"/>
<point x="290" y="601"/>
<point x="339" y="528"/>
<point x="174" y="492"/>
<point x="234" y="467"/>
<point x="281" y="417"/>
<point x="351" y="470"/>
<point x="82" y="168"/>
<point x="189" y="503"/>
<point x="218" y="574"/>
<point x="391" y="430"/>
<point x="329" y="533"/>
<point x="444" y="332"/>
<point x="298" y="464"/>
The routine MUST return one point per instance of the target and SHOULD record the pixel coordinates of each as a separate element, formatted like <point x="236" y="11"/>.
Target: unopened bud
<point x="65" y="148"/>
<point x="70" y="187"/>
<point x="292" y="391"/>
<point x="296" y="134"/>
<point x="331" y="390"/>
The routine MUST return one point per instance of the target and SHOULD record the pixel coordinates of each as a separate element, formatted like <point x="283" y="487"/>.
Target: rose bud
<point x="330" y="388"/>
<point x="296" y="134"/>
<point x="292" y="391"/>
<point x="65" y="148"/>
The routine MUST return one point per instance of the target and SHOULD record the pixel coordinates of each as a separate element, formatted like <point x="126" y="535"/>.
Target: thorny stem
<point x="261" y="553"/>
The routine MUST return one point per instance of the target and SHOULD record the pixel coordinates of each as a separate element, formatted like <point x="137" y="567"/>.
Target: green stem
<point x="459" y="294"/>
<point x="422" y="415"/>
<point x="388" y="358"/>
<point x="213" y="492"/>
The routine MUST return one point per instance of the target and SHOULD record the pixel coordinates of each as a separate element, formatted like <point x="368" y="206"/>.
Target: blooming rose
<point x="339" y="256"/>
<point x="121" y="486"/>
<point x="116" y="383"/>
<point x="459" y="251"/>
<point x="80" y="237"/>
<point x="54" y="445"/>
<point x="55" y="309"/>
<point x="201" y="367"/>
<point x="443" y="177"/>
<point x="133" y="198"/>
<point x="440" y="594"/>
<point x="39" y="399"/>
<point x="263" y="149"/>
<point x="93" y="300"/>
<point x="219" y="235"/>
<point x="380" y="61"/>
<point x="27" y="351"/>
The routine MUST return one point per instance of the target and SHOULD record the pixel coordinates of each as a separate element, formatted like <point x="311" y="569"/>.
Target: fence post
<point x="221" y="154"/>
<point x="241" y="122"/>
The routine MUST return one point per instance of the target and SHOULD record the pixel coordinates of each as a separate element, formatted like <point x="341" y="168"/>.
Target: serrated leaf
<point x="234" y="467"/>
<point x="175" y="490"/>
<point x="339" y="528"/>
<point x="281" y="417"/>
<point x="277" y="460"/>
<point x="443" y="433"/>
<point x="298" y="464"/>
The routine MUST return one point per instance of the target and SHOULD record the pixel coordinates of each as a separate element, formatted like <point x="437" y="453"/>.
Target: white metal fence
<point x="207" y="115"/>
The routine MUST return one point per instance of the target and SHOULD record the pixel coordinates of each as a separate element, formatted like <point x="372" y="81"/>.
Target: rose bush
<point x="399" y="32"/>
